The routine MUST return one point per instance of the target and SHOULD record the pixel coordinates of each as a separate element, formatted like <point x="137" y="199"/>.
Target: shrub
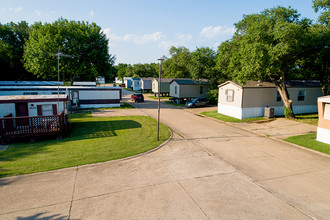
<point x="212" y="96"/>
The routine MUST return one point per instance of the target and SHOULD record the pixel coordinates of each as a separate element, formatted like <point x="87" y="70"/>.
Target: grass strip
<point x="309" y="141"/>
<point x="216" y="115"/>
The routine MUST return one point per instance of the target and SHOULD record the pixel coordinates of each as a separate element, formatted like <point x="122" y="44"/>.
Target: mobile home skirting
<point x="242" y="113"/>
<point x="323" y="135"/>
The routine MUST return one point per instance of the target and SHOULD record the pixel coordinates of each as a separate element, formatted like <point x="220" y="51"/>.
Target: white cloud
<point x="212" y="32"/>
<point x="184" y="37"/>
<point x="146" y="38"/>
<point x="18" y="9"/>
<point x="37" y="12"/>
<point x="165" y="45"/>
<point x="91" y="13"/>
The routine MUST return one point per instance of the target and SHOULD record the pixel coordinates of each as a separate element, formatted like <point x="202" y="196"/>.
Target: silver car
<point x="197" y="102"/>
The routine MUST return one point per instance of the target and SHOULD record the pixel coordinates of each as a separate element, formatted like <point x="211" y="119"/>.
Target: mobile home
<point x="251" y="99"/>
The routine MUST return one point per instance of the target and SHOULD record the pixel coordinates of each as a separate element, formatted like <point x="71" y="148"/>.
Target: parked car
<point x="137" y="97"/>
<point x="197" y="102"/>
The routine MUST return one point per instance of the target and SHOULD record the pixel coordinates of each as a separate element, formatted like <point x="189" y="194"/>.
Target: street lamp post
<point x="159" y="83"/>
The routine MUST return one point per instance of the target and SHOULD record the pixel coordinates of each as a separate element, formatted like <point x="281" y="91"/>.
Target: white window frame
<point x="229" y="95"/>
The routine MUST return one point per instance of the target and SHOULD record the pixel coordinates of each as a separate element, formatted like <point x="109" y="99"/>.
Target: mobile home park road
<point x="208" y="170"/>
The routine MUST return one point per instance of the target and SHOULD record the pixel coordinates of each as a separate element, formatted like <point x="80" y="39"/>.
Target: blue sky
<point x="141" y="31"/>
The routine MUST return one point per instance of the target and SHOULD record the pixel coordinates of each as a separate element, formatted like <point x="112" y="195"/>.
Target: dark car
<point x="197" y="102"/>
<point x="137" y="97"/>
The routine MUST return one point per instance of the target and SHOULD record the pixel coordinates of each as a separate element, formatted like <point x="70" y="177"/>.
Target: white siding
<point x="101" y="94"/>
<point x="7" y="108"/>
<point x="100" y="105"/>
<point x="323" y="135"/>
<point x="229" y="110"/>
<point x="32" y="106"/>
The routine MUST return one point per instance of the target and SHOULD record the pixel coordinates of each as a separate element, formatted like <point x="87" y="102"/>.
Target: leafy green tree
<point x="177" y="65"/>
<point x="266" y="48"/>
<point x="12" y="40"/>
<point x="85" y="43"/>
<point x="324" y="6"/>
<point x="121" y="70"/>
<point x="314" y="62"/>
<point x="202" y="65"/>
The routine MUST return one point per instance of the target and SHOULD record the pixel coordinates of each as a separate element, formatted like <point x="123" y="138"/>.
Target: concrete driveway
<point x="209" y="170"/>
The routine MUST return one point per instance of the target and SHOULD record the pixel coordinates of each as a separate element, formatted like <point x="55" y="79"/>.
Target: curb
<point x="270" y="137"/>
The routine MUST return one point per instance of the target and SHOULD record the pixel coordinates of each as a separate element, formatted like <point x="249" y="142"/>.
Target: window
<point x="175" y="89"/>
<point x="327" y="111"/>
<point x="201" y="90"/>
<point x="229" y="95"/>
<point x="47" y="110"/>
<point x="55" y="93"/>
<point x="30" y="93"/>
<point x="301" y="95"/>
<point x="278" y="97"/>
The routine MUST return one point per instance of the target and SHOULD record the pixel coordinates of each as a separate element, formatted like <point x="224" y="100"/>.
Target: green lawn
<point x="92" y="140"/>
<point x="216" y="115"/>
<point x="309" y="141"/>
<point x="162" y="97"/>
<point x="308" y="118"/>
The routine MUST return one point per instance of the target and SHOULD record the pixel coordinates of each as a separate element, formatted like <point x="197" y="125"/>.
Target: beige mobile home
<point x="251" y="99"/>
<point x="164" y="86"/>
<point x="323" y="128"/>
<point x="188" y="88"/>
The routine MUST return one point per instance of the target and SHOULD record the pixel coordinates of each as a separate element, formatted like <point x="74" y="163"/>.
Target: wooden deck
<point x="12" y="127"/>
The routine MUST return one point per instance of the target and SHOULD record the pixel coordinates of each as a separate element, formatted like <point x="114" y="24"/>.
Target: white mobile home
<point x="128" y="82"/>
<point x="32" y="105"/>
<point x="85" y="97"/>
<point x="251" y="99"/>
<point x="136" y="84"/>
<point x="164" y="86"/>
<point x="188" y="88"/>
<point x="100" y="80"/>
<point x="119" y="80"/>
<point x="84" y="84"/>
<point x="30" y="83"/>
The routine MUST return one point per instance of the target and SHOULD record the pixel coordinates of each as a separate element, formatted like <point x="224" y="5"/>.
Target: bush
<point x="212" y="96"/>
<point x="287" y="112"/>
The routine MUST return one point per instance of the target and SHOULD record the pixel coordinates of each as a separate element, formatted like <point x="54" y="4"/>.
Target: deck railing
<point x="33" y="126"/>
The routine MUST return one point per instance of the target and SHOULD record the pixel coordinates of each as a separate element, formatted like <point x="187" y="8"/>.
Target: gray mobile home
<point x="188" y="88"/>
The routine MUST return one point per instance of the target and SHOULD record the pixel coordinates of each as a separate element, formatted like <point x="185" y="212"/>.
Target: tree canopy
<point x="265" y="47"/>
<point x="12" y="41"/>
<point x="82" y="48"/>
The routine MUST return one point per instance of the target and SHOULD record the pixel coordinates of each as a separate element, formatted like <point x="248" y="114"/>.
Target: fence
<point x="33" y="126"/>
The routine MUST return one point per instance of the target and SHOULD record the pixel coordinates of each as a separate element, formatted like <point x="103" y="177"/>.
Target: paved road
<point x="209" y="170"/>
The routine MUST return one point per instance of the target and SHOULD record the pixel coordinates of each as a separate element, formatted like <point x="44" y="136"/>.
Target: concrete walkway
<point x="209" y="170"/>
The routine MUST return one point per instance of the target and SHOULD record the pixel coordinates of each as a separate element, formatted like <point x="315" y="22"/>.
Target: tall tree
<point x="177" y="65"/>
<point x="12" y="40"/>
<point x="267" y="48"/>
<point x="202" y="65"/>
<point x="85" y="43"/>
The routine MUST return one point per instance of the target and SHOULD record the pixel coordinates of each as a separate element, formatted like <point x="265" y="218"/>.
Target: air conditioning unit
<point x="269" y="112"/>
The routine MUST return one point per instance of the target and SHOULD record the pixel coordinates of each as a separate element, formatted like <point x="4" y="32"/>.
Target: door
<point x="75" y="98"/>
<point x="21" y="111"/>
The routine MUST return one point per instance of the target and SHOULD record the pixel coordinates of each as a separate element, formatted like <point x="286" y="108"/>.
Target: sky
<point x="142" y="31"/>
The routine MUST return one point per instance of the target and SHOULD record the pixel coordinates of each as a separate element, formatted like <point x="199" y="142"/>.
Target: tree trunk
<point x="281" y="88"/>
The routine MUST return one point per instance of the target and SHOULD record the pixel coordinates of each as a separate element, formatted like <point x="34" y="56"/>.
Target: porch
<point x="13" y="127"/>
